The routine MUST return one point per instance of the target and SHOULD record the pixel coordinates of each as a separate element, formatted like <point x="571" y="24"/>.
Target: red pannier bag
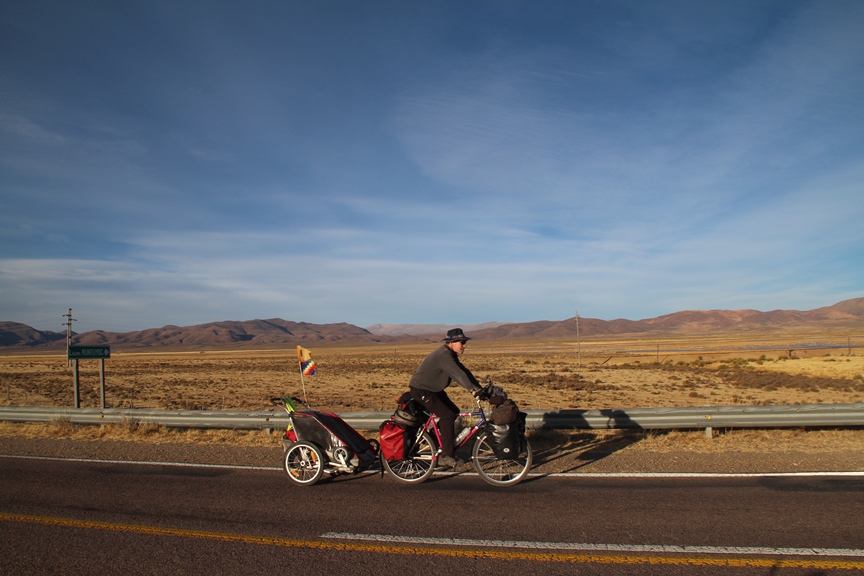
<point x="392" y="441"/>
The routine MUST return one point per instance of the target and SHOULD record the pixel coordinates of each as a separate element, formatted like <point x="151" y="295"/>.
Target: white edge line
<point x="637" y="548"/>
<point x="574" y="475"/>
<point x="696" y="474"/>
<point x="139" y="462"/>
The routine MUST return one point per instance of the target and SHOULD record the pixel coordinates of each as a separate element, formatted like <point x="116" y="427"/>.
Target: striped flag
<point x="307" y="365"/>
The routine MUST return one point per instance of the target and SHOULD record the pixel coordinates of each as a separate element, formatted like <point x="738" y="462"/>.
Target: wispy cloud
<point x="373" y="165"/>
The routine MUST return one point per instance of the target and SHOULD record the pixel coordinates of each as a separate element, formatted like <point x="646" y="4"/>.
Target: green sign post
<point x="88" y="352"/>
<point x="76" y="353"/>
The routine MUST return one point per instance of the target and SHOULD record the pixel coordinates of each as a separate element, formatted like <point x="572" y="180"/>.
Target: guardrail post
<point x="709" y="432"/>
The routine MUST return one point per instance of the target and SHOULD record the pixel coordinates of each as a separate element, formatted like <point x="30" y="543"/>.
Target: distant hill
<point x="848" y="312"/>
<point x="424" y="329"/>
<point x="17" y="334"/>
<point x="846" y="315"/>
<point x="251" y="332"/>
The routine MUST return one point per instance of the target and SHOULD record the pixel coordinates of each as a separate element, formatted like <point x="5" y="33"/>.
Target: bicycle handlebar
<point x="490" y="391"/>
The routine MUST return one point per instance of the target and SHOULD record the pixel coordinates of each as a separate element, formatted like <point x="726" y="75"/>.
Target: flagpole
<point x="303" y="383"/>
<point x="302" y="380"/>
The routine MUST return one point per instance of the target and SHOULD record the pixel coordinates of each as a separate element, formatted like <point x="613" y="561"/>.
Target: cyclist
<point x="435" y="373"/>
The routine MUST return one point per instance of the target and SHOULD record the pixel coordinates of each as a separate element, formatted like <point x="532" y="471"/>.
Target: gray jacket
<point x="439" y="369"/>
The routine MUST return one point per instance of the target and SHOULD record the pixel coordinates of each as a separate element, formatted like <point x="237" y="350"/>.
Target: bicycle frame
<point x="420" y="461"/>
<point x="431" y="426"/>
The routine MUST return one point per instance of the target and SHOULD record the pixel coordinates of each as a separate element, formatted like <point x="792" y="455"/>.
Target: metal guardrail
<point x="805" y="415"/>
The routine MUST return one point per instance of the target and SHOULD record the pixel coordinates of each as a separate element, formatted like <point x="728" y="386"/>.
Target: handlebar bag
<point x="504" y="413"/>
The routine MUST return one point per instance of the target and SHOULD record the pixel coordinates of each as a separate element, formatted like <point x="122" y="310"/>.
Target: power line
<point x="578" y="339"/>
<point x="68" y="324"/>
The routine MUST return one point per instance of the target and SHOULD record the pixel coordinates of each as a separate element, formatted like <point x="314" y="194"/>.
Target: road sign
<point x="87" y="352"/>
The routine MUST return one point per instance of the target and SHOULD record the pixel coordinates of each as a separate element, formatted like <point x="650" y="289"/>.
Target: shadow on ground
<point x="567" y="451"/>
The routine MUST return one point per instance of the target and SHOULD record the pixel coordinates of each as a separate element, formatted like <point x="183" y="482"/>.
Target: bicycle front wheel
<point x="500" y="471"/>
<point x="418" y="464"/>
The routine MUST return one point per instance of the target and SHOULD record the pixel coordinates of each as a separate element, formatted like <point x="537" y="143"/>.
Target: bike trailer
<point x="342" y="443"/>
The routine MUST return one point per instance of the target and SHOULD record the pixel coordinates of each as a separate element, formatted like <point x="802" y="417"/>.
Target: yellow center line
<point x="802" y="563"/>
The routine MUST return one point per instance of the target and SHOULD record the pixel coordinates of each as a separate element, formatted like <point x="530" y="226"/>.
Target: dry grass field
<point x="600" y="375"/>
<point x="549" y="375"/>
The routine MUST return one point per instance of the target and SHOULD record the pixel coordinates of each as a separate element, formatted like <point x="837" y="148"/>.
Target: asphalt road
<point x="72" y="517"/>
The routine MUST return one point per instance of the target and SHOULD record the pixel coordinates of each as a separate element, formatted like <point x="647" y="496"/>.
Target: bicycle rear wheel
<point x="418" y="464"/>
<point x="500" y="471"/>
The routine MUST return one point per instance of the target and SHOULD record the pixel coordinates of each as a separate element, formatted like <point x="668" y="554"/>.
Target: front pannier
<point x="507" y="440"/>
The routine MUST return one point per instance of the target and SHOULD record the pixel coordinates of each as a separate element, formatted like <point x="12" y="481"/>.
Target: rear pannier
<point x="393" y="440"/>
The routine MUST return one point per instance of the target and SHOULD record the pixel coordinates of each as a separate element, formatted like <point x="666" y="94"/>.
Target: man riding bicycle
<point x="435" y="373"/>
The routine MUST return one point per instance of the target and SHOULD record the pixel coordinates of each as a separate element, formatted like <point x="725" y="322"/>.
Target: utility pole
<point x="578" y="339"/>
<point x="69" y="321"/>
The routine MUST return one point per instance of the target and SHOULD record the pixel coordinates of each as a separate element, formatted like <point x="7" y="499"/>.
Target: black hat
<point x="456" y="335"/>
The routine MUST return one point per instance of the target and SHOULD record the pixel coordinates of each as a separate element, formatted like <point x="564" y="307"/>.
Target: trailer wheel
<point x="304" y="463"/>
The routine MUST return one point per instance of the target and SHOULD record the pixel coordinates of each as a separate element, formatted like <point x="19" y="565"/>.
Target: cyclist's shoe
<point x="449" y="462"/>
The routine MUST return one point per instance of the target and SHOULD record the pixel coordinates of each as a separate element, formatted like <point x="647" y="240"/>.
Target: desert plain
<point x="600" y="374"/>
<point x="593" y="374"/>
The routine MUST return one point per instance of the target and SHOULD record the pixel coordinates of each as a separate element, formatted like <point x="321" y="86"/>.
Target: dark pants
<point x="439" y="403"/>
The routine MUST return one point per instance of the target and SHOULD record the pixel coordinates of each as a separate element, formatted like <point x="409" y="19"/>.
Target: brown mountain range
<point x="847" y="316"/>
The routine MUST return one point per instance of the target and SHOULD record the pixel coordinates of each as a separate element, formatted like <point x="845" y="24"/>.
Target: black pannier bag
<point x="409" y="412"/>
<point x="507" y="440"/>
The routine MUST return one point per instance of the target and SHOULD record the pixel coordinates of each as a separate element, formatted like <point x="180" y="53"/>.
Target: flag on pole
<point x="307" y="365"/>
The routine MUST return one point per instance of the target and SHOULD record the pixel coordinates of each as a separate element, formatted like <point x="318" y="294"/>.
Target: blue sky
<point x="427" y="162"/>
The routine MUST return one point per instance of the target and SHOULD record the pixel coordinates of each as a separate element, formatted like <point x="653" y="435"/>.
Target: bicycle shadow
<point x="586" y="446"/>
<point x="591" y="447"/>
